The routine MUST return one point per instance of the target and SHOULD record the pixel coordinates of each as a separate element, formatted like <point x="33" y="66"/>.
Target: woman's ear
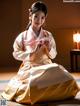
<point x="30" y="15"/>
<point x="46" y="16"/>
<point x="30" y="18"/>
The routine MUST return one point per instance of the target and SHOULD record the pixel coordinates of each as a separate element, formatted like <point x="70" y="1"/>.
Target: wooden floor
<point x="8" y="73"/>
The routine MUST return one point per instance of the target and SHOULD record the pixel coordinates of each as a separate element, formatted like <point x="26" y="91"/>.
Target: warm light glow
<point x="76" y="37"/>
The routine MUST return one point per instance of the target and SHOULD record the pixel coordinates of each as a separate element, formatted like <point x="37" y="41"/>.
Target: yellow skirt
<point x="41" y="83"/>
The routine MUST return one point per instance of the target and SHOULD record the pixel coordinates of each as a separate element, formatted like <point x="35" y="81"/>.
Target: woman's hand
<point x="44" y="44"/>
<point x="44" y="49"/>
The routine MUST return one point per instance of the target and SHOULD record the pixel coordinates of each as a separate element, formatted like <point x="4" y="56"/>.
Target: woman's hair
<point x="37" y="6"/>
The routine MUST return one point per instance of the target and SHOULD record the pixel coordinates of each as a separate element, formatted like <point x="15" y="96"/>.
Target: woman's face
<point x="38" y="19"/>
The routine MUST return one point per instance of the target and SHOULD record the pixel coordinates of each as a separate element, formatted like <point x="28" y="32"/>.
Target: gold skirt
<point x="41" y="83"/>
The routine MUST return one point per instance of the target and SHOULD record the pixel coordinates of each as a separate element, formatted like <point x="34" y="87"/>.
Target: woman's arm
<point x="52" y="46"/>
<point x="19" y="53"/>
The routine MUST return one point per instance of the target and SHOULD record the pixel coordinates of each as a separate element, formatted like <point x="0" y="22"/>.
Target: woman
<point x="38" y="79"/>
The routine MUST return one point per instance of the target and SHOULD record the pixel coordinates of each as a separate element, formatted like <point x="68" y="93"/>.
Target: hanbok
<point x="38" y="79"/>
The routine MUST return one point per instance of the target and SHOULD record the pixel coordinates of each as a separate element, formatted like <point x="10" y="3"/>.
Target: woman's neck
<point x="36" y="30"/>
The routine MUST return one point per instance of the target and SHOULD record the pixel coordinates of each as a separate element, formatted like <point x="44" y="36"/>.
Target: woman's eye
<point x="36" y="16"/>
<point x="42" y="17"/>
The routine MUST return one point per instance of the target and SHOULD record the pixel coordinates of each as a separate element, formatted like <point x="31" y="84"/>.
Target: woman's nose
<point x="39" y="20"/>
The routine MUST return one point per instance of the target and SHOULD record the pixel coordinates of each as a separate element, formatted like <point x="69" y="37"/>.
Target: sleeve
<point x="18" y="52"/>
<point x="52" y="52"/>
